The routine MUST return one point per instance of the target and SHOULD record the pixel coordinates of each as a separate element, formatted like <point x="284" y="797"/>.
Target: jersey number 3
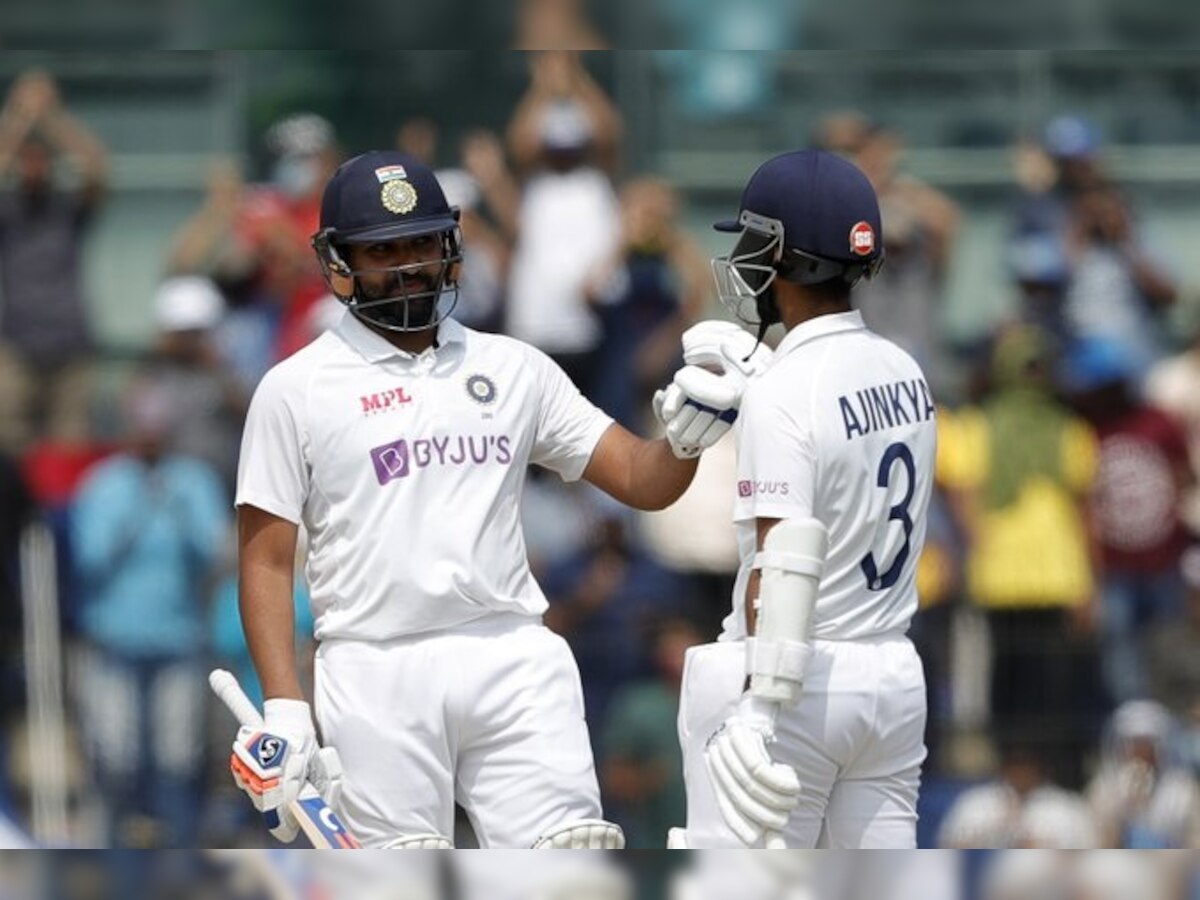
<point x="895" y="453"/>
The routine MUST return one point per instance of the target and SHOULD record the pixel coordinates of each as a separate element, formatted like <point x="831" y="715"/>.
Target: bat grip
<point x="225" y="686"/>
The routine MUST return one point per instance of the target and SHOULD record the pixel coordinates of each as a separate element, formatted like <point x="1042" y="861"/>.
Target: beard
<point x="414" y="306"/>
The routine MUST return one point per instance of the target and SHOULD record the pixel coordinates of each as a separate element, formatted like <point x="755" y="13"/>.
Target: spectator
<point x="601" y="600"/>
<point x="147" y="528"/>
<point x="1143" y="471"/>
<point x="1018" y="470"/>
<point x="45" y="336"/>
<point x="211" y="245"/>
<point x="1173" y="386"/>
<point x="919" y="226"/>
<point x="418" y="137"/>
<point x="642" y="772"/>
<point x="485" y="252"/>
<point x="1051" y="174"/>
<point x="255" y="240"/>
<point x="646" y="295"/>
<point x="1021" y="809"/>
<point x="556" y="25"/>
<point x="207" y="403"/>
<point x="564" y="135"/>
<point x="1039" y="266"/>
<point x="1118" y="288"/>
<point x="1173" y="660"/>
<point x="1140" y="798"/>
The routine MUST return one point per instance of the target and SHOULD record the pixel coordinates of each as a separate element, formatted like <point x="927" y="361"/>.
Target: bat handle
<point x="226" y="687"/>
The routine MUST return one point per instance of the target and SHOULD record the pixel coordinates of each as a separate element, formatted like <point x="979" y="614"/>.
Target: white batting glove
<point x="271" y="763"/>
<point x="697" y="408"/>
<point x="756" y="795"/>
<point x="728" y="349"/>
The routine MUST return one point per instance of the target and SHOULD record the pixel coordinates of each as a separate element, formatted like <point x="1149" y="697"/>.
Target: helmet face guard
<point x="746" y="277"/>
<point x="403" y="310"/>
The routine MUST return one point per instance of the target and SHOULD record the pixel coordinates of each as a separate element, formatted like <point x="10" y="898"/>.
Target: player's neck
<point x="796" y="314"/>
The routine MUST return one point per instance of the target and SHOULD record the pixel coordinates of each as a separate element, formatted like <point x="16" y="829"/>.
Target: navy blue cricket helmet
<point x="809" y="217"/>
<point x="379" y="197"/>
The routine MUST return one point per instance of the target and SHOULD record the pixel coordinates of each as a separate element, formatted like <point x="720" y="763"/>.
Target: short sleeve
<point x="273" y="471"/>
<point x="569" y="426"/>
<point x="777" y="460"/>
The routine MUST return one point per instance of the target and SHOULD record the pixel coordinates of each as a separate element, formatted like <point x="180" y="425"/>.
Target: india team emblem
<point x="862" y="239"/>
<point x="481" y="389"/>
<point x="398" y="196"/>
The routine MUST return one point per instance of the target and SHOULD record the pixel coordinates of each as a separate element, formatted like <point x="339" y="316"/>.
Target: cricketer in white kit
<point x="399" y="439"/>
<point x="804" y="726"/>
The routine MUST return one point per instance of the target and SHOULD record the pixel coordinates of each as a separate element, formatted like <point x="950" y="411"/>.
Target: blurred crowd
<point x="1060" y="587"/>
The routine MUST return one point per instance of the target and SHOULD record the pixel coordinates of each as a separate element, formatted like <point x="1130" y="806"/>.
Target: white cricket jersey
<point x="407" y="472"/>
<point x="841" y="428"/>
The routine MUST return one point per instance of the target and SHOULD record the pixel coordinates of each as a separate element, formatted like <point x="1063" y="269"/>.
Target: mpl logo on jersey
<point x="403" y="458"/>
<point x="384" y="401"/>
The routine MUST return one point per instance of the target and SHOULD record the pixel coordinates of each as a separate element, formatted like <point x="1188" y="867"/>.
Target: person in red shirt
<point x="1139" y="530"/>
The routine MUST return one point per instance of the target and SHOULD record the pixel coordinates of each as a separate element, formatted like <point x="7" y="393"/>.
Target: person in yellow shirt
<point x="1019" y="468"/>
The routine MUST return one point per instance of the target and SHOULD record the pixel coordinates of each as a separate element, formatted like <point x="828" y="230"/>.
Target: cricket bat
<point x="320" y="824"/>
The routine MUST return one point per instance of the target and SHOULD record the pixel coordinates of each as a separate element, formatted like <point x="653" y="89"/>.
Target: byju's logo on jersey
<point x="391" y="461"/>
<point x="385" y="401"/>
<point x="748" y="489"/>
<point x="402" y="458"/>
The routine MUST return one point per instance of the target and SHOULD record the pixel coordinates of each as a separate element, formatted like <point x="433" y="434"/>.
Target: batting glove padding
<point x="272" y="763"/>
<point x="697" y="408"/>
<point x="755" y="794"/>
<point x="726" y="348"/>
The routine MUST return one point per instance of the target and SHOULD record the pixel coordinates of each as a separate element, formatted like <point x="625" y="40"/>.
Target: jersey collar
<point x="375" y="348"/>
<point x="821" y="326"/>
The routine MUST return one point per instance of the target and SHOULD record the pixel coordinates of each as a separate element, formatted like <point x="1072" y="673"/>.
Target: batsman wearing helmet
<point x="804" y="726"/>
<point x="400" y="439"/>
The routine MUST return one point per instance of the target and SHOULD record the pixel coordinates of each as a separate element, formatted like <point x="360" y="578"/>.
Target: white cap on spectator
<point x="459" y="186"/>
<point x="187" y="303"/>
<point x="1141" y="720"/>
<point x="565" y="126"/>
<point x="300" y="134"/>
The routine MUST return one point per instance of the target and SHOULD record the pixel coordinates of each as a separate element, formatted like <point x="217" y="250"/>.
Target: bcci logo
<point x="396" y="194"/>
<point x="481" y="389"/>
<point x="399" y="197"/>
<point x="270" y="749"/>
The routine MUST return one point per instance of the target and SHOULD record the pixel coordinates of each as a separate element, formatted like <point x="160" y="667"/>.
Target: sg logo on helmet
<point x="862" y="239"/>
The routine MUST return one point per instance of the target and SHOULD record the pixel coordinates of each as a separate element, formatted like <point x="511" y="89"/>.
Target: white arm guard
<point x="791" y="562"/>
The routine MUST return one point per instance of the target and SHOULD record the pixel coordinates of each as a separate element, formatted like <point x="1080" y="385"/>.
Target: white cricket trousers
<point x="489" y="715"/>
<point x="856" y="739"/>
